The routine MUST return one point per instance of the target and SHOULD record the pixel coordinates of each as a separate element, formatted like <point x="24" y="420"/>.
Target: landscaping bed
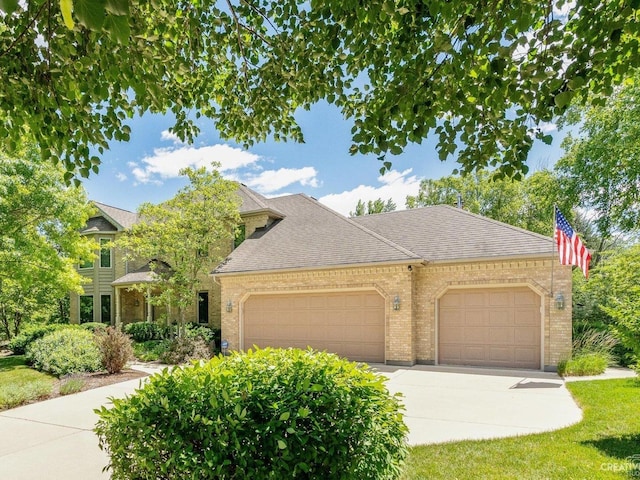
<point x="21" y="385"/>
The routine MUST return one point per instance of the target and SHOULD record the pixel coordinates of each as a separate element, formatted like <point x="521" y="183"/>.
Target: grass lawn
<point x="597" y="447"/>
<point x="21" y="384"/>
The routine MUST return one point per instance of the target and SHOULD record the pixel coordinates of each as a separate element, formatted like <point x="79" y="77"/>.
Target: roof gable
<point x="119" y="218"/>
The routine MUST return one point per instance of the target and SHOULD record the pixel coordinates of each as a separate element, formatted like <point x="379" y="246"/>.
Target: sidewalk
<point x="54" y="439"/>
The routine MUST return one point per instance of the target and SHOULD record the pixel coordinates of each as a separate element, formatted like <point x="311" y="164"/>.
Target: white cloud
<point x="547" y="127"/>
<point x="121" y="176"/>
<point x="171" y="137"/>
<point x="270" y="181"/>
<point x="167" y="162"/>
<point x="395" y="185"/>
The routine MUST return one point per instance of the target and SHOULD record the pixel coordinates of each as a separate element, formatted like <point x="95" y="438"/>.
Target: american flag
<point x="570" y="248"/>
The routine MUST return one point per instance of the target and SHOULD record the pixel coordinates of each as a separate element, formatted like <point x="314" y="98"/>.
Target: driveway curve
<point x="449" y="403"/>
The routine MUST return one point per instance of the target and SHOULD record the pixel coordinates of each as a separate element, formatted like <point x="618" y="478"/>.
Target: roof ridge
<point x="111" y="206"/>
<point x="257" y="197"/>
<point x="498" y="222"/>
<point x="390" y="243"/>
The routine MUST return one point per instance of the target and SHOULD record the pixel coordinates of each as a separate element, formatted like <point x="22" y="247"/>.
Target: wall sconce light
<point x="229" y="305"/>
<point x="136" y="302"/>
<point x="559" y="301"/>
<point x="396" y="302"/>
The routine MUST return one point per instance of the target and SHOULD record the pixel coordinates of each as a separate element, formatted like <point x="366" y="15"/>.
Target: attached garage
<point x="351" y="324"/>
<point x="495" y="327"/>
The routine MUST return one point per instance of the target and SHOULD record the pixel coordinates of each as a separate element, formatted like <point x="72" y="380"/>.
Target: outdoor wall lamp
<point x="137" y="303"/>
<point x="229" y="305"/>
<point x="396" y="302"/>
<point x="559" y="301"/>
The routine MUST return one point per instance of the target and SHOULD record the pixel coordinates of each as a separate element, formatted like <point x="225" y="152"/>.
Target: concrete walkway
<point x="54" y="439"/>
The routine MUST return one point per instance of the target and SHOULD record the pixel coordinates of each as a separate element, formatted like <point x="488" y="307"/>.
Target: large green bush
<point x="31" y="333"/>
<point x="266" y="414"/>
<point x="145" y="331"/>
<point x="65" y="351"/>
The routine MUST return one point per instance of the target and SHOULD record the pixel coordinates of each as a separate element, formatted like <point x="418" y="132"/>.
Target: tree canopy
<point x="481" y="77"/>
<point x="601" y="167"/>
<point x="40" y="241"/>
<point x="373" y="206"/>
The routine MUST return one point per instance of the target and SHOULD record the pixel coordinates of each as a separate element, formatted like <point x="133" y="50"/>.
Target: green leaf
<point x="563" y="99"/>
<point x="118" y="28"/>
<point x="284" y="416"/>
<point x="8" y="6"/>
<point x="547" y="139"/>
<point x="90" y="13"/>
<point x="118" y="7"/>
<point x="282" y="445"/>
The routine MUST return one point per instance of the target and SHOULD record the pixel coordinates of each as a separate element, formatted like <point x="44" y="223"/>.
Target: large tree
<point x="601" y="167"/>
<point x="40" y="243"/>
<point x="185" y="237"/>
<point x="479" y="76"/>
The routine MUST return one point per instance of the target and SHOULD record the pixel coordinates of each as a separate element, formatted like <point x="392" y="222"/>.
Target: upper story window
<point x="105" y="253"/>
<point x="86" y="264"/>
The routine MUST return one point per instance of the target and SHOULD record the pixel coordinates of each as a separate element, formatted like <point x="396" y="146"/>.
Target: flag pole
<point x="553" y="248"/>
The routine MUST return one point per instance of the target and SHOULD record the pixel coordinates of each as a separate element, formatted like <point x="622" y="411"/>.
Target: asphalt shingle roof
<point x="311" y="235"/>
<point x="125" y="218"/>
<point x="445" y="233"/>
<point x="254" y="202"/>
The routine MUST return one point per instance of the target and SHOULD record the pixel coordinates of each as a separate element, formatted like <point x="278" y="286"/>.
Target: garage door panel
<point x="490" y="327"/>
<point x="351" y="324"/>
<point x="500" y="299"/>
<point x="475" y="317"/>
<point x="501" y="336"/>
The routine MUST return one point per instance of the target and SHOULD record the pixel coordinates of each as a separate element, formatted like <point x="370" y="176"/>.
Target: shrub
<point x="185" y="349"/>
<point x="29" y="334"/>
<point x="115" y="349"/>
<point x="65" y="351"/>
<point x="203" y="332"/>
<point x="266" y="414"/>
<point x="595" y="341"/>
<point x="71" y="385"/>
<point x="94" y="327"/>
<point x="150" y="350"/>
<point x="583" y="364"/>
<point x="145" y="331"/>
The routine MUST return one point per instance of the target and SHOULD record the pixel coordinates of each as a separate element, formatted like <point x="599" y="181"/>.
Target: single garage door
<point x="350" y="324"/>
<point x="496" y="327"/>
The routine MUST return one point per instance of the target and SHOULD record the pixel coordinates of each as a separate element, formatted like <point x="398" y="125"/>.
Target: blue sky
<point x="145" y="169"/>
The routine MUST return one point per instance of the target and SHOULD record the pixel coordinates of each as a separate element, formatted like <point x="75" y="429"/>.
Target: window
<point x="86" y="264"/>
<point x="105" y="253"/>
<point x="203" y="307"/>
<point x="240" y="234"/>
<point x="86" y="308"/>
<point x="105" y="309"/>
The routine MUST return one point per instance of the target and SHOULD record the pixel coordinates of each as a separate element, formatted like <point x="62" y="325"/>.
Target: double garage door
<point x="351" y="324"/>
<point x="497" y="327"/>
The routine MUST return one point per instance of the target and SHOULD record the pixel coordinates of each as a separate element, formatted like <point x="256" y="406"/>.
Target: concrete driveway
<point x="54" y="439"/>
<point x="450" y="403"/>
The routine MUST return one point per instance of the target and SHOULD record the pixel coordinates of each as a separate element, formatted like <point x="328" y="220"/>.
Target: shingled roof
<point x="311" y="235"/>
<point x="253" y="202"/>
<point x="123" y="219"/>
<point x="443" y="233"/>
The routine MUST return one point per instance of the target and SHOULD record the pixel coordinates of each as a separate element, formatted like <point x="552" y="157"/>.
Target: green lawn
<point x="20" y="384"/>
<point x="595" y="448"/>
